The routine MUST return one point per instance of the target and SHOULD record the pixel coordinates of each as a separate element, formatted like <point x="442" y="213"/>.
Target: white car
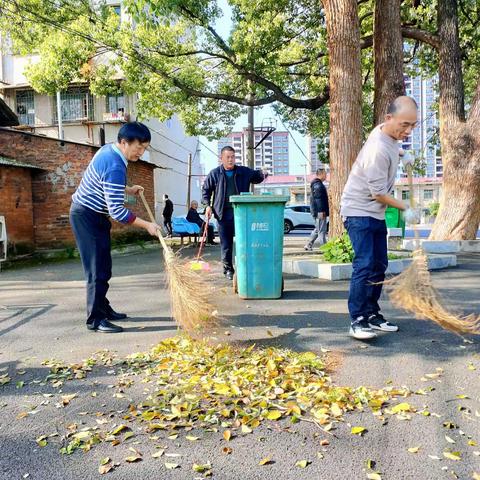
<point x="297" y="217"/>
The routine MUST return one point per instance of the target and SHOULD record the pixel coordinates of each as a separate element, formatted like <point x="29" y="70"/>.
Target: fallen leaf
<point x="201" y="468"/>
<point x="461" y="396"/>
<point x="172" y="466"/>
<point x="374" y="476"/>
<point x="449" y="439"/>
<point x="476" y="476"/>
<point x="273" y="415"/>
<point x="370" y="464"/>
<point x="434" y="457"/>
<point x="472" y="443"/>
<point x="227" y="435"/>
<point x="324" y="442"/>
<point x="401" y="407"/>
<point x="66" y="399"/>
<point x="42" y="441"/>
<point x="134" y="458"/>
<point x="452" y="455"/>
<point x="358" y="430"/>
<point x="227" y="450"/>
<point x="119" y="429"/>
<point x="191" y="438"/>
<point x="265" y="461"/>
<point x="302" y="463"/>
<point x="413" y="449"/>
<point x="158" y="454"/>
<point x="246" y="429"/>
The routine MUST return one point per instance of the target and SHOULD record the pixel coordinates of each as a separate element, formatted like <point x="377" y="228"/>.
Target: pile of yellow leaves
<point x="200" y="384"/>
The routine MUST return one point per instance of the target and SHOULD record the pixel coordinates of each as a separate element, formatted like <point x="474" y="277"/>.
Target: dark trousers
<point x="167" y="222"/>
<point x="369" y="240"/>
<point x="92" y="234"/>
<point x="226" y="232"/>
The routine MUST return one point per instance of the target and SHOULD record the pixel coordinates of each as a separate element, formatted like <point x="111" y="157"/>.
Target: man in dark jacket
<point x="318" y="208"/>
<point x="167" y="215"/>
<point x="194" y="217"/>
<point x="222" y="182"/>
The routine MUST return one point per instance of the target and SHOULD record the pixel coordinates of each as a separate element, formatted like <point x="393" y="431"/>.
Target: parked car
<point x="298" y="217"/>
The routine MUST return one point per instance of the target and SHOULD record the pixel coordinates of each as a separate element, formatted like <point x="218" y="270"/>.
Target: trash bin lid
<point x="263" y="198"/>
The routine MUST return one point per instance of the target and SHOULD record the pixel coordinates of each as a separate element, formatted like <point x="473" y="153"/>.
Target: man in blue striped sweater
<point x="101" y="193"/>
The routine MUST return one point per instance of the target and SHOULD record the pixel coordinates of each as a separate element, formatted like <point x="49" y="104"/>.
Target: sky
<point x="296" y="157"/>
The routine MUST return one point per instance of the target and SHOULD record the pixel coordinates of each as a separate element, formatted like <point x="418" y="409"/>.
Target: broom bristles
<point x="189" y="295"/>
<point x="413" y="291"/>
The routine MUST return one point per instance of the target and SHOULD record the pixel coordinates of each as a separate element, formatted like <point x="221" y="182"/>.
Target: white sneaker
<point x="377" y="322"/>
<point x="308" y="248"/>
<point x="361" y="330"/>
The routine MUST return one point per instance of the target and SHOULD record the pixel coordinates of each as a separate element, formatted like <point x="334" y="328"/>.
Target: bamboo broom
<point x="413" y="290"/>
<point x="189" y="295"/>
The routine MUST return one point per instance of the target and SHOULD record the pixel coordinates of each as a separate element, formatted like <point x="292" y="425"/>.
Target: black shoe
<point x="104" y="326"/>
<point x="113" y="315"/>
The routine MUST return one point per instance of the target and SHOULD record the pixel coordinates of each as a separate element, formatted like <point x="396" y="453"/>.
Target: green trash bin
<point x="394" y="219"/>
<point x="259" y="244"/>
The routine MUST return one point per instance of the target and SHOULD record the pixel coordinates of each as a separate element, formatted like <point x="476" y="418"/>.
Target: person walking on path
<point x="167" y="215"/>
<point x="221" y="183"/>
<point x="318" y="209"/>
<point x="365" y="198"/>
<point x="101" y="193"/>
<point x="194" y="217"/>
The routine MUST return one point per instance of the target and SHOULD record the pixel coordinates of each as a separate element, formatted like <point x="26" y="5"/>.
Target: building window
<point x="115" y="106"/>
<point x="76" y="105"/>
<point x="25" y="107"/>
<point x="428" y="194"/>
<point x="405" y="194"/>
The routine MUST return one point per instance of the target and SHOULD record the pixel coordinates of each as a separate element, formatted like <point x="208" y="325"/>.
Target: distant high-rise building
<point x="316" y="152"/>
<point x="271" y="155"/>
<point x="424" y="142"/>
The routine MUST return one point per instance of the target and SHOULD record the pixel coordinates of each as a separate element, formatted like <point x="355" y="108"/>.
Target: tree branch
<point x="423" y="36"/>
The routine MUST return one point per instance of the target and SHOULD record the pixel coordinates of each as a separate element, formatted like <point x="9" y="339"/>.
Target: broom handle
<point x="152" y="219"/>
<point x="412" y="203"/>
<point x="202" y="241"/>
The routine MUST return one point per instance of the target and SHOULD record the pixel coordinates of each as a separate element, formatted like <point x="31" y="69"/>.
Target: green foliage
<point x="338" y="250"/>
<point x="433" y="209"/>
<point x="174" y="54"/>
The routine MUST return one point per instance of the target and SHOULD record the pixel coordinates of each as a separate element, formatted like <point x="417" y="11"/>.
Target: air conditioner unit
<point x="3" y="239"/>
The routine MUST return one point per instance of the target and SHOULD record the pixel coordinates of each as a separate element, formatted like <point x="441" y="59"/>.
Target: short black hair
<point x="395" y="105"/>
<point x="134" y="131"/>
<point x="228" y="148"/>
<point x="320" y="170"/>
<point x="165" y="195"/>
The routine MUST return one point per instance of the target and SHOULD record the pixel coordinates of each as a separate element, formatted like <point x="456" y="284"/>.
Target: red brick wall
<point x="16" y="204"/>
<point x="53" y="187"/>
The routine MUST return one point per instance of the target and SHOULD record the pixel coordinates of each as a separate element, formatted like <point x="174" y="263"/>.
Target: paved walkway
<point x="41" y="317"/>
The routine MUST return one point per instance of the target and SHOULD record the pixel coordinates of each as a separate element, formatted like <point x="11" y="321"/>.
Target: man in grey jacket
<point x="363" y="204"/>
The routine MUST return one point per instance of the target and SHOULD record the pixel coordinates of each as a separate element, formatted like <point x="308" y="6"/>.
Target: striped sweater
<point x="102" y="188"/>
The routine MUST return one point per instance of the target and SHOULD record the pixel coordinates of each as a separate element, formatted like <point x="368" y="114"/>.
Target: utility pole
<point x="251" y="130"/>
<point x="305" y="183"/>
<point x="59" y="116"/>
<point x="189" y="174"/>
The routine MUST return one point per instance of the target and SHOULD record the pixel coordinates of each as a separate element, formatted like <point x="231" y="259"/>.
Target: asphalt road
<point x="41" y="317"/>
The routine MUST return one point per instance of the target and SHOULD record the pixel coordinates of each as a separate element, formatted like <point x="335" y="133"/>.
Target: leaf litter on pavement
<point x="221" y="388"/>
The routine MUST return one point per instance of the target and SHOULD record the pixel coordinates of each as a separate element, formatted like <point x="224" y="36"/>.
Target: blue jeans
<point x="369" y="240"/>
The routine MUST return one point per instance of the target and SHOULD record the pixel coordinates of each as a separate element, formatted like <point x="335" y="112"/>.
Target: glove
<point x="412" y="216"/>
<point x="406" y="158"/>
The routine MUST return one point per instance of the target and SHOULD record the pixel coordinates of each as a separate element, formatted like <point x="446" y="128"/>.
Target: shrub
<point x="338" y="250"/>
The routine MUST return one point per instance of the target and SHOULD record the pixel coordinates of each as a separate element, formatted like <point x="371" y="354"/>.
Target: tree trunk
<point x="343" y="36"/>
<point x="459" y="214"/>
<point x="388" y="55"/>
